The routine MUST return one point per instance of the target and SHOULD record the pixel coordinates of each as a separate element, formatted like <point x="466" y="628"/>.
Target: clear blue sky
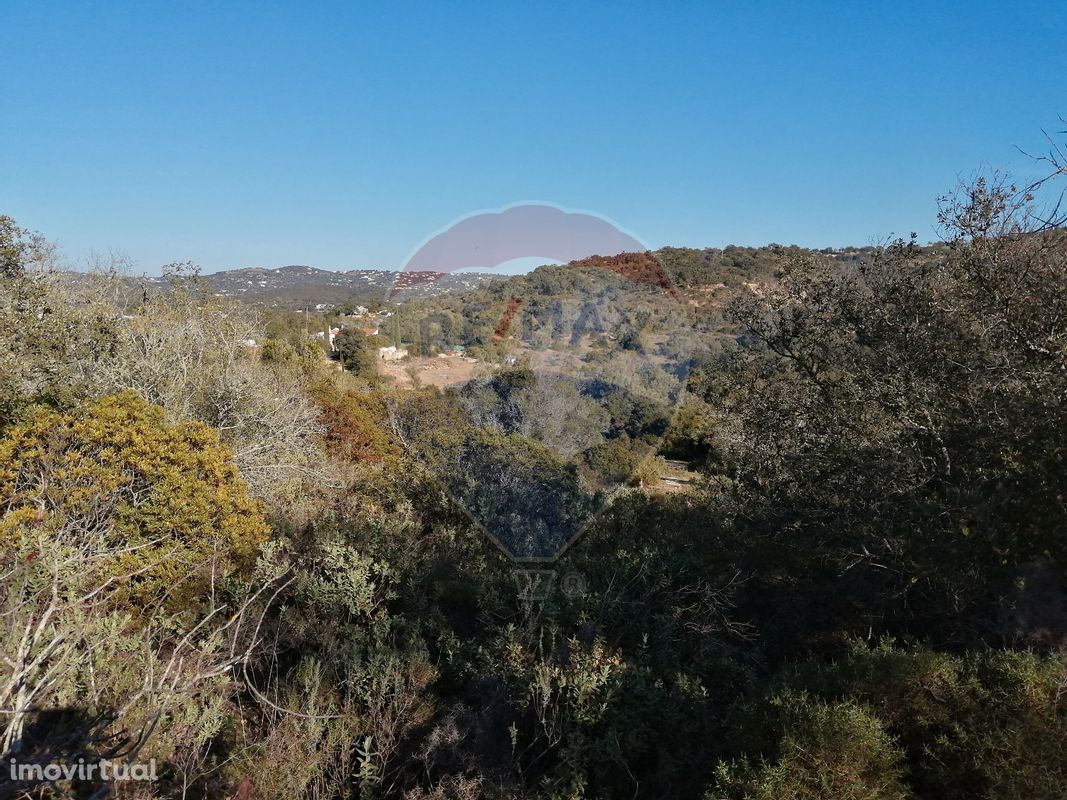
<point x="341" y="135"/>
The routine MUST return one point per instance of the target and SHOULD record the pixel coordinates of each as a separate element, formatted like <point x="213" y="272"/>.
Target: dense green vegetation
<point x="248" y="565"/>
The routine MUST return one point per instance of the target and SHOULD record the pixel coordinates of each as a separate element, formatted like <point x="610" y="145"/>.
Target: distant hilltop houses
<point x="309" y="288"/>
<point x="357" y="312"/>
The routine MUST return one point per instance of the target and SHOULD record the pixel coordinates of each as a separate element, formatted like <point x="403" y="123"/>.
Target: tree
<point x="22" y="250"/>
<point x="897" y="420"/>
<point x="187" y="352"/>
<point x="54" y="341"/>
<point x="357" y="353"/>
<point x="550" y="409"/>
<point x="525" y="495"/>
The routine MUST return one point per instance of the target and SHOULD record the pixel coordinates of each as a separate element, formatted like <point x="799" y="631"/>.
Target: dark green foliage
<point x="357" y="352"/>
<point x="987" y="724"/>
<point x="818" y="750"/>
<point x="52" y="345"/>
<point x="12" y="248"/>
<point x="526" y="496"/>
<point x="637" y="417"/>
<point x="909" y="443"/>
<point x="613" y="461"/>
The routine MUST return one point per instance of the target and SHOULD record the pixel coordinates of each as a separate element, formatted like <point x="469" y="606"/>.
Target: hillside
<point x="802" y="511"/>
<point x="670" y="268"/>
<point x="297" y="285"/>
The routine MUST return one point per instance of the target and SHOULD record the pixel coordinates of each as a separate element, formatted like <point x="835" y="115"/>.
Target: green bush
<point x="113" y="476"/>
<point x="821" y="751"/>
<point x="986" y="724"/>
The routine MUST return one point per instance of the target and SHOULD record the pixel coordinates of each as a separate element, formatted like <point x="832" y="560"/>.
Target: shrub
<point x="826" y="750"/>
<point x="113" y="473"/>
<point x="988" y="724"/>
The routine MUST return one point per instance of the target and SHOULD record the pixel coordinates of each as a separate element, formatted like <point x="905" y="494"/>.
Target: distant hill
<point x="299" y="284"/>
<point x="676" y="296"/>
<point x="689" y="270"/>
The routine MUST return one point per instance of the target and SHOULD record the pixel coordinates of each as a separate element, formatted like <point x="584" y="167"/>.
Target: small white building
<point x="328" y="336"/>
<point x="392" y="353"/>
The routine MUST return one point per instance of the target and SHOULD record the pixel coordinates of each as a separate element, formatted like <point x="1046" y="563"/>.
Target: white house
<point x="392" y="353"/>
